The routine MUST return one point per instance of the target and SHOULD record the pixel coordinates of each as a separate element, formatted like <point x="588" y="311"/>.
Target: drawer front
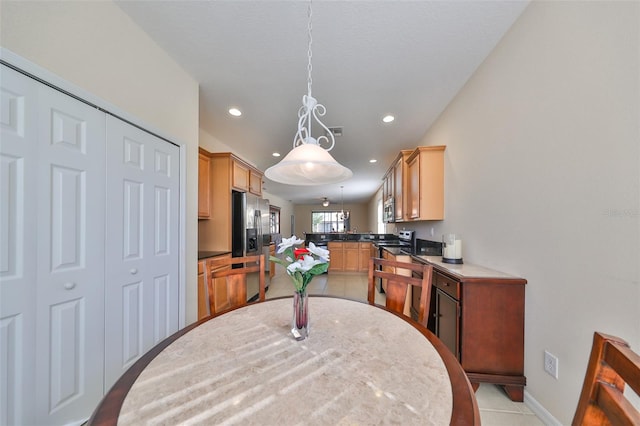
<point x="446" y="284"/>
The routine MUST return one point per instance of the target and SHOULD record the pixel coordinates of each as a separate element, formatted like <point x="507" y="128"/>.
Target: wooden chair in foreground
<point x="612" y="364"/>
<point x="227" y="286"/>
<point x="397" y="285"/>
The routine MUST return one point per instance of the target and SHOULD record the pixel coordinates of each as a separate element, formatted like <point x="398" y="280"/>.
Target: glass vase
<point x="300" y="321"/>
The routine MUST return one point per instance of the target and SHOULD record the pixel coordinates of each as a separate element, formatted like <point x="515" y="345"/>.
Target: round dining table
<point x="361" y="364"/>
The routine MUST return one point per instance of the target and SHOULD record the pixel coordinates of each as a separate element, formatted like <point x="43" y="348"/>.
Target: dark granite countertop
<point x="206" y="254"/>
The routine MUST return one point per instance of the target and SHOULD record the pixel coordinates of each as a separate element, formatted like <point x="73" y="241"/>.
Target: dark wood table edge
<point x="464" y="411"/>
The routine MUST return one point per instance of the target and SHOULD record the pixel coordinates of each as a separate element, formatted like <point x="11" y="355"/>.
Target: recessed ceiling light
<point x="276" y="154"/>
<point x="373" y="160"/>
<point x="388" y="118"/>
<point x="235" y="112"/>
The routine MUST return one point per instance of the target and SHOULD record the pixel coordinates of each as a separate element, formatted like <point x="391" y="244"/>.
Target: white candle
<point x="458" y="249"/>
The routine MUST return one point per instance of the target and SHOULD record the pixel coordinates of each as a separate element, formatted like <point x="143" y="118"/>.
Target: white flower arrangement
<point x="302" y="264"/>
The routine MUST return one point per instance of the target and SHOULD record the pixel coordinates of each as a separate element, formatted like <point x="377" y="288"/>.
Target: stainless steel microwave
<point x="389" y="212"/>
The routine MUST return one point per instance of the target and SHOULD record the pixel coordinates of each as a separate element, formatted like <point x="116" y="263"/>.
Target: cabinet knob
<point x="133" y="271"/>
<point x="69" y="286"/>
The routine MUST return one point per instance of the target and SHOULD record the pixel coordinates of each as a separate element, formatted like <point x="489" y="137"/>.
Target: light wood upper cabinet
<point x="240" y="175"/>
<point x="228" y="172"/>
<point x="399" y="185"/>
<point x="204" y="185"/>
<point x="425" y="183"/>
<point x="255" y="182"/>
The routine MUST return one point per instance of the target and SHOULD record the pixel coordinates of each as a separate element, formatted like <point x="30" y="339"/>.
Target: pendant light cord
<point x="309" y="54"/>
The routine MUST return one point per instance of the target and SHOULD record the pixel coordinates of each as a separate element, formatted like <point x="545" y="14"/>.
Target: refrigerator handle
<point x="258" y="224"/>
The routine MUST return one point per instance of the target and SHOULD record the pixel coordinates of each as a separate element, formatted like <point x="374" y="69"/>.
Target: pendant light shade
<point x="308" y="163"/>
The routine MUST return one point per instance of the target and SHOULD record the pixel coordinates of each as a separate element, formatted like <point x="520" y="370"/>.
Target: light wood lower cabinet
<point x="349" y="256"/>
<point x="203" y="301"/>
<point x="336" y="256"/>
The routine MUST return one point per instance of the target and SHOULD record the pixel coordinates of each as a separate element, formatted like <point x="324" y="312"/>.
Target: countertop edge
<point x="483" y="273"/>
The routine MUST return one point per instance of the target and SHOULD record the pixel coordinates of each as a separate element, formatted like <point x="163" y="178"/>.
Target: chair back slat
<point x="612" y="365"/>
<point x="398" y="285"/>
<point x="227" y="283"/>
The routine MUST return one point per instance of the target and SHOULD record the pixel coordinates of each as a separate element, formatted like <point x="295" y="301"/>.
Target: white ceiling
<point x="370" y="58"/>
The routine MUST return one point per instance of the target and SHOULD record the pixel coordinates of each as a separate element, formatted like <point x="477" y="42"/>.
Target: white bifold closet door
<point x="89" y="250"/>
<point x="141" y="297"/>
<point x="52" y="275"/>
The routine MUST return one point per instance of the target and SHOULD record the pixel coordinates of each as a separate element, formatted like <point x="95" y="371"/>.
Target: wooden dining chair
<point x="612" y="364"/>
<point x="227" y="283"/>
<point x="398" y="284"/>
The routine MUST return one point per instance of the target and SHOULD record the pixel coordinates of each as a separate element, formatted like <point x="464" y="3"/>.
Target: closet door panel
<point x="142" y="244"/>
<point x="18" y="235"/>
<point x="70" y="260"/>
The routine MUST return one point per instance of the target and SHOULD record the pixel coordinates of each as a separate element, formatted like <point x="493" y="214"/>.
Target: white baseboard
<point x="540" y="411"/>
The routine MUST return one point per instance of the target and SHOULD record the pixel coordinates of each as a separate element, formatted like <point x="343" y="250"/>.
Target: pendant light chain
<point x="309" y="54"/>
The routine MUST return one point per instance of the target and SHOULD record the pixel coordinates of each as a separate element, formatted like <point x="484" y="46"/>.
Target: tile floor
<point x="496" y="409"/>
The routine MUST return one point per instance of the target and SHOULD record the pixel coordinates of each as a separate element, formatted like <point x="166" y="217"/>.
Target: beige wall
<point x="96" y="47"/>
<point x="543" y="181"/>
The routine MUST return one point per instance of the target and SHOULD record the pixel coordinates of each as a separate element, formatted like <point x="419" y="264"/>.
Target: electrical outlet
<point x="551" y="364"/>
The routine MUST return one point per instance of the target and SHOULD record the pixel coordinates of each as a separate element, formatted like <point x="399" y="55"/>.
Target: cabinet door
<point x="255" y="183"/>
<point x="142" y="294"/>
<point x="413" y="182"/>
<point x="398" y="191"/>
<point x="336" y="255"/>
<point x="351" y="257"/>
<point x="365" y="254"/>
<point x="204" y="186"/>
<point x="240" y="176"/>
<point x="203" y="299"/>
<point x="447" y="315"/>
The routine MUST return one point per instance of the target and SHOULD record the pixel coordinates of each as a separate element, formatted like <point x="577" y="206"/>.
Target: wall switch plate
<point x="551" y="364"/>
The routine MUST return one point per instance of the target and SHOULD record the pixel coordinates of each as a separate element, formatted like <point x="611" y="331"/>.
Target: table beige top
<point x="360" y="365"/>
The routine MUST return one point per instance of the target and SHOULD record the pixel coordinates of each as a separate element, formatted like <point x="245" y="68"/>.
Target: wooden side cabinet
<point x="425" y="183"/>
<point x="481" y="320"/>
<point x="204" y="185"/>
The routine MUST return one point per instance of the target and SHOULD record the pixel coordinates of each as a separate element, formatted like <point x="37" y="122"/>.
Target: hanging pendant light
<point x="343" y="215"/>
<point x="308" y="163"/>
<point x="325" y="202"/>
